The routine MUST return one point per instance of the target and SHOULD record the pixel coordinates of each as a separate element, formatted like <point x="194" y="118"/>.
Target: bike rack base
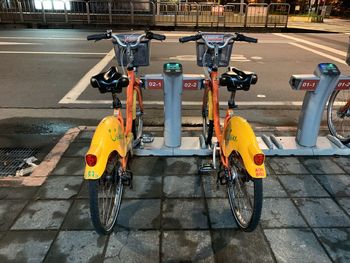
<point x="270" y="145"/>
<point x="287" y="146"/>
<point x="190" y="146"/>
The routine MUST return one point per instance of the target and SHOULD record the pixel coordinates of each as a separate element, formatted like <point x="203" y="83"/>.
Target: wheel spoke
<point x="245" y="211"/>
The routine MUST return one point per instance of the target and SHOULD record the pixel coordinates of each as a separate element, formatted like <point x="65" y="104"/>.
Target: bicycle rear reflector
<point x="91" y="160"/>
<point x="259" y="158"/>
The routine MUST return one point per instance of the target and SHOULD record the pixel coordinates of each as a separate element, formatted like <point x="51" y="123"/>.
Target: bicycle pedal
<point x="221" y="179"/>
<point x="127" y="178"/>
<point x="147" y="138"/>
<point x="205" y="168"/>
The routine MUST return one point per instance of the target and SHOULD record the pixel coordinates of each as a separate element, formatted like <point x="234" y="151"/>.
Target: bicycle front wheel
<point x="105" y="198"/>
<point x="338" y="115"/>
<point x="245" y="194"/>
<point x="137" y="125"/>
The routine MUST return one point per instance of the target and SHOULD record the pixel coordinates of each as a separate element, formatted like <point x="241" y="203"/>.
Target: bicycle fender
<point x="240" y="137"/>
<point x="108" y="137"/>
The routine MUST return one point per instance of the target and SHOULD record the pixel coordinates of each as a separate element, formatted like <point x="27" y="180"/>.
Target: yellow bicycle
<point x="111" y="146"/>
<point x="241" y="160"/>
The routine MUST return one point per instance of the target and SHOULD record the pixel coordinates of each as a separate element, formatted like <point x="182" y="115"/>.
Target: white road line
<point x="333" y="50"/>
<point x="199" y="103"/>
<point x="50" y="53"/>
<point x="46" y="38"/>
<point x="83" y="83"/>
<point x="17" y="43"/>
<point x="319" y="53"/>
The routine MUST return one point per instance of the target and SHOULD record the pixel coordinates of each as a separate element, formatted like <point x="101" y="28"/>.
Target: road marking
<point x="45" y="38"/>
<point x="238" y="58"/>
<point x="198" y="103"/>
<point x="261" y="96"/>
<point x="319" y="53"/>
<point x="333" y="50"/>
<point x="84" y="82"/>
<point x="50" y="53"/>
<point x="17" y="43"/>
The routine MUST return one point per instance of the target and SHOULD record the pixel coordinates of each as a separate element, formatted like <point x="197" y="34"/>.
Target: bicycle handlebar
<point x="149" y="35"/>
<point x="235" y="37"/>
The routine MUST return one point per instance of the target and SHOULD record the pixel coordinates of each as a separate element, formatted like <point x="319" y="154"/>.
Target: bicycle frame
<point x="237" y="134"/>
<point x="112" y="135"/>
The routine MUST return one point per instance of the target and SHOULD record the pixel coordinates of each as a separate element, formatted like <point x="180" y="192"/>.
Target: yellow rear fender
<point x="239" y="136"/>
<point x="108" y="137"/>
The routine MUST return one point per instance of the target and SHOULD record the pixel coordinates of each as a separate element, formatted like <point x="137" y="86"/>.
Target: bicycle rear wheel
<point x="105" y="197"/>
<point x="338" y="115"/>
<point x="244" y="193"/>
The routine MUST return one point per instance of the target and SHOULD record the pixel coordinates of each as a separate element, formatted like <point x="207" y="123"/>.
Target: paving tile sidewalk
<point x="175" y="215"/>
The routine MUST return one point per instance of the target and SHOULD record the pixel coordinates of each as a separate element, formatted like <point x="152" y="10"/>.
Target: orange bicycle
<point x="241" y="160"/>
<point x="113" y="141"/>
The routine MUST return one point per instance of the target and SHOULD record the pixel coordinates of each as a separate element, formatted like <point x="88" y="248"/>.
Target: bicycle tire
<point x="106" y="225"/>
<point x="339" y="123"/>
<point x="240" y="179"/>
<point x="208" y="125"/>
<point x="137" y="125"/>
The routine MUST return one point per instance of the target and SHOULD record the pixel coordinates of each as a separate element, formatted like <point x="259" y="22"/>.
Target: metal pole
<point x="267" y="15"/>
<point x="65" y="12"/>
<point x="88" y="12"/>
<point x="176" y="10"/>
<point x="44" y="17"/>
<point x="132" y="13"/>
<point x="110" y="12"/>
<point x="20" y="11"/>
<point x="241" y="7"/>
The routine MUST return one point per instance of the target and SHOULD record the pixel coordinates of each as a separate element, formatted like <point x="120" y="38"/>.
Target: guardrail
<point x="144" y="12"/>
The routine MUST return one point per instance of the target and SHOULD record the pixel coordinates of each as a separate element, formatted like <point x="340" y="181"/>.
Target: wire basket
<point x="348" y="56"/>
<point x="141" y="53"/>
<point x="205" y="55"/>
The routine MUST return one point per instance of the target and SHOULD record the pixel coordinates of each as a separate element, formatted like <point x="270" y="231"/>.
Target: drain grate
<point x="12" y="159"/>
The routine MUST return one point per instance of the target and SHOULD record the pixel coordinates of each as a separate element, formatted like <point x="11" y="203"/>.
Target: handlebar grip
<point x="241" y="37"/>
<point x="250" y="39"/>
<point x="159" y="37"/>
<point x="189" y="38"/>
<point x="97" y="37"/>
<point x="150" y="35"/>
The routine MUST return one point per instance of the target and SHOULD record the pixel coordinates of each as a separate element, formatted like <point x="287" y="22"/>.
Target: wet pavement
<point x="173" y="214"/>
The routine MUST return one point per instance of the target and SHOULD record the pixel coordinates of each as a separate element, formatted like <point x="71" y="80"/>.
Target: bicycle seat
<point x="110" y="81"/>
<point x="235" y="79"/>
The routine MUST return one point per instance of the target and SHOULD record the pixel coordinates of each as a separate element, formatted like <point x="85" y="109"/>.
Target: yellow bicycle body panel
<point x="239" y="136"/>
<point x="134" y="105"/>
<point x="108" y="137"/>
<point x="210" y="106"/>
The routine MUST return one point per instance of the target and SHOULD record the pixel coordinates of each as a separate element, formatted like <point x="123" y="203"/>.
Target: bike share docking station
<point x="172" y="81"/>
<point x="318" y="86"/>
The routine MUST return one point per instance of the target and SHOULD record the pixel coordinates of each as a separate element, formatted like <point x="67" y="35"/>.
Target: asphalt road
<point x="40" y="67"/>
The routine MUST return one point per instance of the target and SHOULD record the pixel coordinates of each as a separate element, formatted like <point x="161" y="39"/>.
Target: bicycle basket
<point x="348" y="56"/>
<point x="141" y="52"/>
<point x="205" y="55"/>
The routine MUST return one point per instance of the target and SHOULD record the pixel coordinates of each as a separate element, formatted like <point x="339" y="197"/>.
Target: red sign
<point x="309" y="84"/>
<point x="190" y="84"/>
<point x="154" y="84"/>
<point x="343" y="84"/>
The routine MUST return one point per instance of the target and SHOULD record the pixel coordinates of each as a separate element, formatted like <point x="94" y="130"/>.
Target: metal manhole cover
<point x="13" y="159"/>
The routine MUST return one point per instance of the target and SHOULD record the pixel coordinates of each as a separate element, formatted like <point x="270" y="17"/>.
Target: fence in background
<point x="143" y="12"/>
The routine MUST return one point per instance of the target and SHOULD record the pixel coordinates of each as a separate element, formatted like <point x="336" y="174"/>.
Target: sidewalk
<point x="173" y="214"/>
<point x="332" y="25"/>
